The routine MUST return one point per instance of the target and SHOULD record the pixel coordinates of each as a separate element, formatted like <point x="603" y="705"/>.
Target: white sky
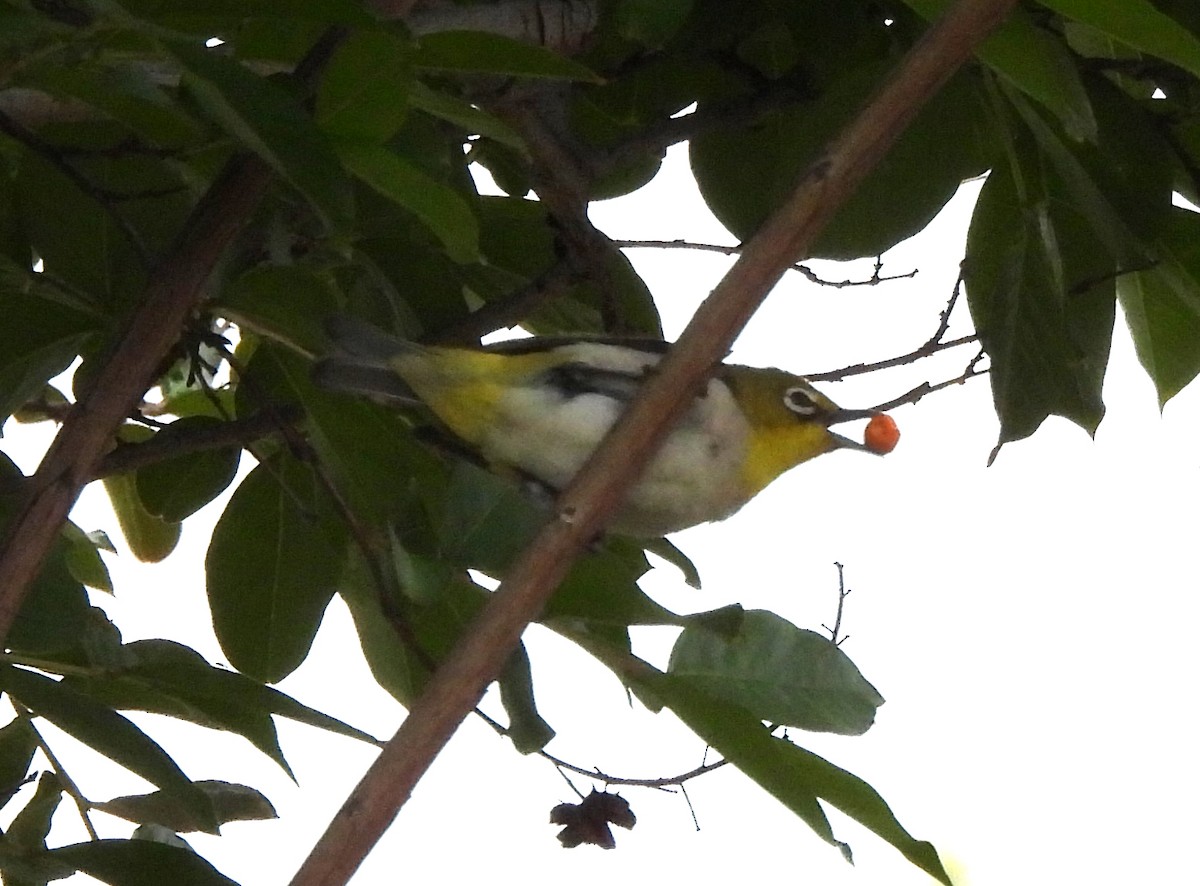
<point x="1029" y="624"/>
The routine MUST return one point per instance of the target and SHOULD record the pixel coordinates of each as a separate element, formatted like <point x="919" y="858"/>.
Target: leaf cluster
<point x="117" y="117"/>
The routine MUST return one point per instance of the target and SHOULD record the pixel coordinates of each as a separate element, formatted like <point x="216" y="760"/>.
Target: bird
<point x="534" y="409"/>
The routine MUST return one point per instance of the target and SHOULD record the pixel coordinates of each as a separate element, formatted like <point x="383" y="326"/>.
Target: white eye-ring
<point x="800" y="401"/>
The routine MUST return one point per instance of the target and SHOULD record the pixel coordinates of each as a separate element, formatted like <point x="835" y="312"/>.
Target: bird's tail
<point x="361" y="362"/>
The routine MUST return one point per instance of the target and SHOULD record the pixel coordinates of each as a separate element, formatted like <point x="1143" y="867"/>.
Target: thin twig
<point x="659" y="783"/>
<point x="691" y="808"/>
<point x="926" y="350"/>
<point x="874" y="280"/>
<point x="972" y="370"/>
<point x="843" y="593"/>
<point x="82" y="803"/>
<point x="944" y="316"/>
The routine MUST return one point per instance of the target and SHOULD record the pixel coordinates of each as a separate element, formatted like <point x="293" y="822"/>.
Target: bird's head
<point x="791" y="421"/>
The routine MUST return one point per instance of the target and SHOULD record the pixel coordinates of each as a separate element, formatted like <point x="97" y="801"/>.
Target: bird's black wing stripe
<point x="573" y="379"/>
<point x="542" y="343"/>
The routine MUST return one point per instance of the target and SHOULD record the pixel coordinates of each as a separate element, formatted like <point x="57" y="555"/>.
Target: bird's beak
<point x="841" y="415"/>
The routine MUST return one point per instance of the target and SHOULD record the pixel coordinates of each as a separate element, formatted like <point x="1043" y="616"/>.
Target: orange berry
<point x="881" y="435"/>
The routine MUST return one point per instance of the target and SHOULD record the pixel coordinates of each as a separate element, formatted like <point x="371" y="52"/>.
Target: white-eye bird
<point x="536" y="408"/>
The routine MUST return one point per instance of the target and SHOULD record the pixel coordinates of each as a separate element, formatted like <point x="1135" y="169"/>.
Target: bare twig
<point x="658" y="783"/>
<point x="971" y="371"/>
<point x="599" y="487"/>
<point x="926" y="350"/>
<point x="874" y="280"/>
<point x="843" y="593"/>
<point x="944" y="316"/>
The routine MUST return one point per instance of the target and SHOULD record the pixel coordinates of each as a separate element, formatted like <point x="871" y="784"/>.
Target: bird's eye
<point x="800" y="401"/>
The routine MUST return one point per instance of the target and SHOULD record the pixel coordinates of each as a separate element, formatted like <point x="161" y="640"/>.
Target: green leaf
<point x="1035" y="62"/>
<point x="794" y="776"/>
<point x="108" y="733"/>
<point x="140" y="863"/>
<point x="603" y="587"/>
<point x="485" y="520"/>
<point x="400" y="660"/>
<point x="363" y="95"/>
<point x="54" y="613"/>
<point x="473" y="120"/>
<point x="476" y="52"/>
<point x="651" y="23"/>
<point x="29" y="829"/>
<point x="230" y="802"/>
<point x="526" y="728"/>
<point x="285" y="303"/>
<point x="368" y="451"/>
<point x="83" y="557"/>
<point x="176" y="488"/>
<point x="1041" y="293"/>
<point x="124" y="91"/>
<point x="24" y="373"/>
<point x="79" y="242"/>
<point x="745" y="173"/>
<point x="17" y="746"/>
<point x="439" y="207"/>
<point x="666" y="549"/>
<point x="149" y="537"/>
<point x="779" y="673"/>
<point x="272" y="566"/>
<point x="770" y="50"/>
<point x="1162" y="307"/>
<point x="167" y="678"/>
<point x="392" y="661"/>
<point x="270" y="122"/>
<point x="1137" y="23"/>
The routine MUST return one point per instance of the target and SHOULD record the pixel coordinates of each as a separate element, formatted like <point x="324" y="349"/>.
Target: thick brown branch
<point x="239" y="432"/>
<point x="173" y="291"/>
<point x="598" y="489"/>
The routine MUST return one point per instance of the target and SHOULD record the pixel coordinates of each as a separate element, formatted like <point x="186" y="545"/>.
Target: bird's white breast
<point x="694" y="478"/>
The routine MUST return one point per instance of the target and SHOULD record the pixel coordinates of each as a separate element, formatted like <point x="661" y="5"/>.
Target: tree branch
<point x="874" y="280"/>
<point x="598" y="489"/>
<point x="171" y="294"/>
<point x="238" y="432"/>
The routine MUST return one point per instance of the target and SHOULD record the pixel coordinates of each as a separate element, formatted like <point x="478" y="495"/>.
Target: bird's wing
<point x="360" y="362"/>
